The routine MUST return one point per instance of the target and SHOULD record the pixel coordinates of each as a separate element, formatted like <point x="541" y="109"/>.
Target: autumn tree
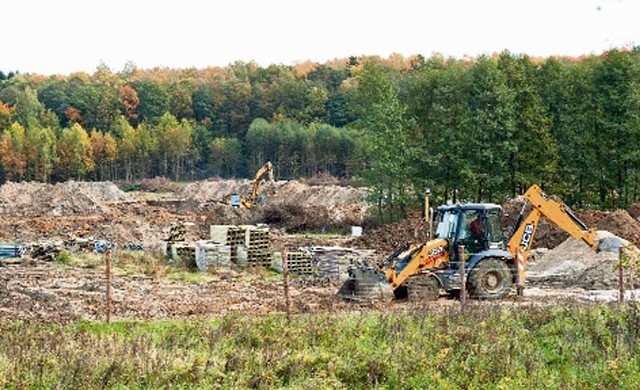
<point x="130" y="102"/>
<point x="12" y="152"/>
<point x="180" y="100"/>
<point x="5" y="116"/>
<point x="74" y="153"/>
<point x="126" y="146"/>
<point x="174" y="140"/>
<point x="104" y="149"/>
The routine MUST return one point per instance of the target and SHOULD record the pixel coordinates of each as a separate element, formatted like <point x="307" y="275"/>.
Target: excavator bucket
<point x="363" y="281"/>
<point x="611" y="244"/>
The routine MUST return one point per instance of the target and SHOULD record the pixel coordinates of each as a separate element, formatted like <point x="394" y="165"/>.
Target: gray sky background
<point x="64" y="36"/>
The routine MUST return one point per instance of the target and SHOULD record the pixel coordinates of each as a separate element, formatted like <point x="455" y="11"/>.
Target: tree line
<point x="480" y="129"/>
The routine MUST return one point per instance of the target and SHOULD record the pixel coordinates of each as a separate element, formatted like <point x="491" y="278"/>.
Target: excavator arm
<point x="239" y="200"/>
<point x="265" y="171"/>
<point x="525" y="228"/>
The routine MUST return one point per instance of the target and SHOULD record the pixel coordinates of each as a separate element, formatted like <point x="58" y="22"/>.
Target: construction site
<point x="237" y="253"/>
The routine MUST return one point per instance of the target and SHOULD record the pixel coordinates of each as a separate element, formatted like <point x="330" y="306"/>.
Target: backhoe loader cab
<point x="474" y="225"/>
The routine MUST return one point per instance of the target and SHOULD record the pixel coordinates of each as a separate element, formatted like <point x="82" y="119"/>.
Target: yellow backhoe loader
<point x="492" y="264"/>
<point x="265" y="172"/>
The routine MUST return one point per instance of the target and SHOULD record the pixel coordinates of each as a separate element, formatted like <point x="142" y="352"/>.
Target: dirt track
<point x="33" y="212"/>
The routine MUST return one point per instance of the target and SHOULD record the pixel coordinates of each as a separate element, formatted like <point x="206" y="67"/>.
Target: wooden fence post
<point x="620" y="275"/>
<point x="108" y="257"/>
<point x="463" y="277"/>
<point x="285" y="275"/>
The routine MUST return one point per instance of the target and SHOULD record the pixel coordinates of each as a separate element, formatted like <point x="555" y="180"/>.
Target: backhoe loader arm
<point x="557" y="212"/>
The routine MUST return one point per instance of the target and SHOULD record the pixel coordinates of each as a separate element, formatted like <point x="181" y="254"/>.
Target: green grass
<point x="593" y="347"/>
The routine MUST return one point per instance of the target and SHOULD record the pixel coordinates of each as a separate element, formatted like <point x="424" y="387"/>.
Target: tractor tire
<point x="423" y="289"/>
<point x="490" y="279"/>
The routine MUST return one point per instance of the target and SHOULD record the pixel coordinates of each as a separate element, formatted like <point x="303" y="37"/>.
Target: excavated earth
<point x="32" y="213"/>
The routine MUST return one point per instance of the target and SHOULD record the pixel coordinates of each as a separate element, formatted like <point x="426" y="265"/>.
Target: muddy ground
<point x="45" y="291"/>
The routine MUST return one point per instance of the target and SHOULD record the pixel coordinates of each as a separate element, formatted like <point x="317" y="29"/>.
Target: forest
<point x="471" y="129"/>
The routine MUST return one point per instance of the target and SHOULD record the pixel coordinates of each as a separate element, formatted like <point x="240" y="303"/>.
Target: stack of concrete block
<point x="301" y="263"/>
<point x="212" y="254"/>
<point x="249" y="244"/>
<point x="183" y="254"/>
<point x="259" y="251"/>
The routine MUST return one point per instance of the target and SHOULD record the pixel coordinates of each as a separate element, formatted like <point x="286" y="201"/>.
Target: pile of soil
<point x="621" y="224"/>
<point x="549" y="235"/>
<point x="338" y="204"/>
<point x="634" y="210"/>
<point x="61" y="199"/>
<point x="574" y="264"/>
<point x="386" y="238"/>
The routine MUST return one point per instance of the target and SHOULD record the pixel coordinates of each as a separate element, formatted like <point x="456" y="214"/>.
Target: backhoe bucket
<point x="363" y="281"/>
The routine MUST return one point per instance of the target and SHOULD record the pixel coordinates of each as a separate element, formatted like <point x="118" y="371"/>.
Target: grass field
<point x="594" y="347"/>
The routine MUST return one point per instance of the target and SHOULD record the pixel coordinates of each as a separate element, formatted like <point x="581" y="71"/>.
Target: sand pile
<point x="68" y="198"/>
<point x="575" y="264"/>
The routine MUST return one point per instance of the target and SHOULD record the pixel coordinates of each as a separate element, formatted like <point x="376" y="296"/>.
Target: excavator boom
<point x="239" y="200"/>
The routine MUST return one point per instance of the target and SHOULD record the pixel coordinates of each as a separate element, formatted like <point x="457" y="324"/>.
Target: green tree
<point x="154" y="101"/>
<point x="439" y="100"/>
<point x="41" y="153"/>
<point x="535" y="157"/>
<point x="492" y="126"/>
<point x="28" y="109"/>
<point x="390" y="147"/>
<point x="180" y="99"/>
<point x="225" y="156"/>
<point x="126" y="147"/>
<point x="174" y="140"/>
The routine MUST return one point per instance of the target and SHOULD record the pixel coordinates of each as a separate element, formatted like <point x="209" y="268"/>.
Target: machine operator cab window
<point x="472" y="231"/>
<point x="479" y="228"/>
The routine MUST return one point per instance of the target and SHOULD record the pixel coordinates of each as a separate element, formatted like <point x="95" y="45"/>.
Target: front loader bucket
<point x="362" y="282"/>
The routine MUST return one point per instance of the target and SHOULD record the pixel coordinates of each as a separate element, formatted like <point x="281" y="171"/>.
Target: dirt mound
<point x="634" y="210"/>
<point x="290" y="203"/>
<point x="68" y="198"/>
<point x="574" y="264"/>
<point x="621" y="224"/>
<point x="386" y="238"/>
<point x="549" y="235"/>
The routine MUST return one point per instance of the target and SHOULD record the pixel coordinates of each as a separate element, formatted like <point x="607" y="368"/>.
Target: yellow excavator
<point x="265" y="172"/>
<point x="492" y="264"/>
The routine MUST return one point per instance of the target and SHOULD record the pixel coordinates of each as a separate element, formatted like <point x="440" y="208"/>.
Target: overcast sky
<point x="64" y="36"/>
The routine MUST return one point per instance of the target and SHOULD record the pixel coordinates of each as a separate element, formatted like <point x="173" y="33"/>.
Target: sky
<point x="65" y="36"/>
